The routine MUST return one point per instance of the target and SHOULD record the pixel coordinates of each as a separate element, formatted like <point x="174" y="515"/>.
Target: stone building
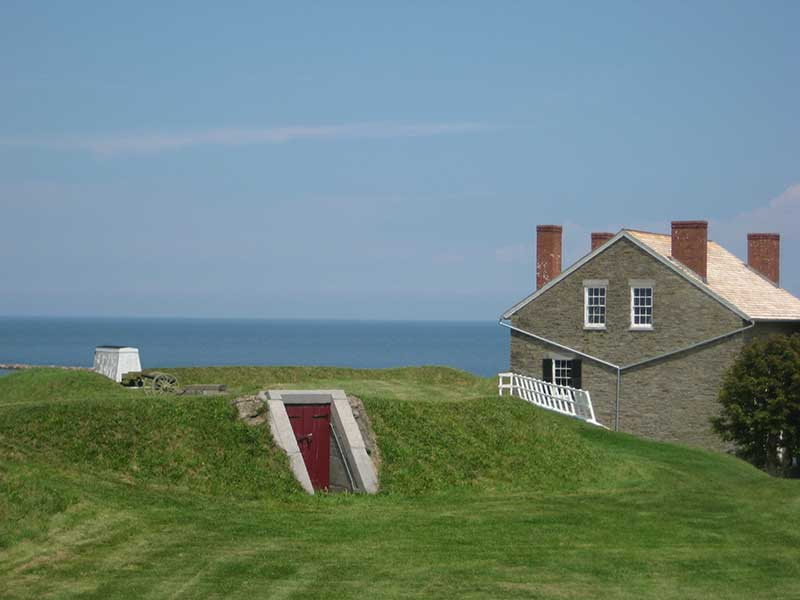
<point x="648" y="323"/>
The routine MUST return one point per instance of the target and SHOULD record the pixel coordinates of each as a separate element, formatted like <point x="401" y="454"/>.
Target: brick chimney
<point x="764" y="254"/>
<point x="690" y="245"/>
<point x="548" y="253"/>
<point x="599" y="238"/>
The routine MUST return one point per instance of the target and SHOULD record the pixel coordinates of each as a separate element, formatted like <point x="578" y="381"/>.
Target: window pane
<point x="642" y="306"/>
<point x="562" y="372"/>
<point x="595" y="309"/>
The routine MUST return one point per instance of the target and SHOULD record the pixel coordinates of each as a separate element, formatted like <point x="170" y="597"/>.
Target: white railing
<point x="559" y="398"/>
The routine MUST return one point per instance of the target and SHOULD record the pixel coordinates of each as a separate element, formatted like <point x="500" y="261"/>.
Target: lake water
<point x="477" y="347"/>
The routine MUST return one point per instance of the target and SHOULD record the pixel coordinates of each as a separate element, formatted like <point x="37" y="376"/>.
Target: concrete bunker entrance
<point x="318" y="431"/>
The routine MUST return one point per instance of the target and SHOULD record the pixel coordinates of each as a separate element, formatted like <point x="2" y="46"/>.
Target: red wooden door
<point x="311" y="426"/>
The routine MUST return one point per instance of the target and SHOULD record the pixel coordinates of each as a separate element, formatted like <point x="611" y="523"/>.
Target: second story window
<point x="642" y="307"/>
<point x="594" y="304"/>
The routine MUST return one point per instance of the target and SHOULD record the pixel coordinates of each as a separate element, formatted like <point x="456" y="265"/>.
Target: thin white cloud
<point x="781" y="214"/>
<point x="160" y="141"/>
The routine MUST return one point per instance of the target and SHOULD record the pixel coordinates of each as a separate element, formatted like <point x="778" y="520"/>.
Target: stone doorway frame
<point x="365" y="478"/>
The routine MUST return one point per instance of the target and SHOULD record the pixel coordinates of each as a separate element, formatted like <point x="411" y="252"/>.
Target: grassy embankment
<point x="105" y="492"/>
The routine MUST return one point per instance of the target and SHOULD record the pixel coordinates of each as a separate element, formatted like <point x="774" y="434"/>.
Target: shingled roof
<point x="732" y="280"/>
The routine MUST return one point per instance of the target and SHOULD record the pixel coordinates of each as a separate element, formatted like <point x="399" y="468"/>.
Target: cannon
<point x="153" y="382"/>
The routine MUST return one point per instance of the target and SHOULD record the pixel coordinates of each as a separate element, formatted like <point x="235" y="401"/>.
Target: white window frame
<point x="634" y="324"/>
<point x="594" y="284"/>
<point x="565" y="368"/>
<point x="566" y="382"/>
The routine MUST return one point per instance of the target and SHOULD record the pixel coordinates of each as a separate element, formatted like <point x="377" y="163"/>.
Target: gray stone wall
<point x="671" y="399"/>
<point x="682" y="313"/>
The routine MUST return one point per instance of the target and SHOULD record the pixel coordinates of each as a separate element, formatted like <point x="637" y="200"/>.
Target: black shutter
<point x="576" y="373"/>
<point x="547" y="369"/>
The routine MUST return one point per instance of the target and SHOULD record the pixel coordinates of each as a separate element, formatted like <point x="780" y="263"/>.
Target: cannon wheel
<point x="164" y="383"/>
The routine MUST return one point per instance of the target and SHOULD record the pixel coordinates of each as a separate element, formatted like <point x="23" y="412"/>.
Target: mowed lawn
<point x="107" y="493"/>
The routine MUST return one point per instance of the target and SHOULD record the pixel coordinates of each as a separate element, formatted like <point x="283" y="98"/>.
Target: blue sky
<point x="389" y="161"/>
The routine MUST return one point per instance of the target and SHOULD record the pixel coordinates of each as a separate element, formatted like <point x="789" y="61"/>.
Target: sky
<point x="375" y="160"/>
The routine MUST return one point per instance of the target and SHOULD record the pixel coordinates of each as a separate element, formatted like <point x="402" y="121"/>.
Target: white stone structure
<point x="116" y="361"/>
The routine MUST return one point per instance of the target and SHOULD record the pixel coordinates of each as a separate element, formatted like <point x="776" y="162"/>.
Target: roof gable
<point x="645" y="247"/>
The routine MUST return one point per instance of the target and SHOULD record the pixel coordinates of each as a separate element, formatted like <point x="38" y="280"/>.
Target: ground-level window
<point x="642" y="307"/>
<point x="594" y="307"/>
<point x="562" y="371"/>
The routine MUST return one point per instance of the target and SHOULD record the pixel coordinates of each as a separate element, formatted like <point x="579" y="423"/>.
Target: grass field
<point x="107" y="493"/>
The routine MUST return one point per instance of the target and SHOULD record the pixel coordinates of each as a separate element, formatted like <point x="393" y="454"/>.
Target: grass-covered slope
<point x="106" y="492"/>
<point x="83" y="420"/>
<point x="438" y="429"/>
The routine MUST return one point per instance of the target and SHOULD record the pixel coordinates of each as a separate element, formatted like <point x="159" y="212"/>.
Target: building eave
<point x="776" y="319"/>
